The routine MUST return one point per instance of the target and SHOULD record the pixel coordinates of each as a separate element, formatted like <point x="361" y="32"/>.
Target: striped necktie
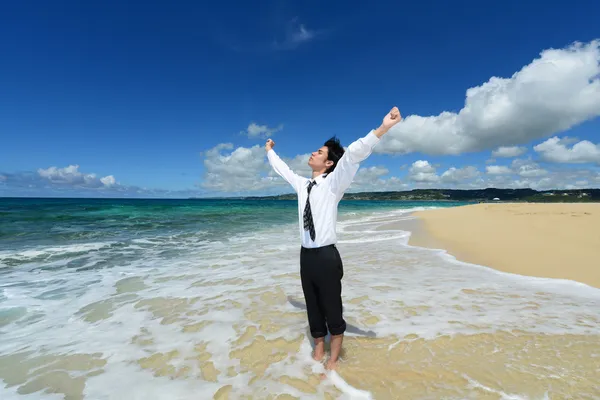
<point x="308" y="220"/>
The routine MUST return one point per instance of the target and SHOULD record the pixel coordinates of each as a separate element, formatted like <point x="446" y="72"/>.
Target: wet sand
<point x="487" y="365"/>
<point x="543" y="240"/>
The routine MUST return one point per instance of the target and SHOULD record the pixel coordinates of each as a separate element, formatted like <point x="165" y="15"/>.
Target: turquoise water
<point x="31" y="223"/>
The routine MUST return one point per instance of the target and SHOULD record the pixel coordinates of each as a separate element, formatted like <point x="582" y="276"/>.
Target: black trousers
<point x="321" y="272"/>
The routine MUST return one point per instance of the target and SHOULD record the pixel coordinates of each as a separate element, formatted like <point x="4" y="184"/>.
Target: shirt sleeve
<point x="284" y="171"/>
<point x="347" y="166"/>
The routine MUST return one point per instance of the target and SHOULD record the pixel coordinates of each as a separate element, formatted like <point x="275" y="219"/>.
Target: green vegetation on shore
<point x="475" y="195"/>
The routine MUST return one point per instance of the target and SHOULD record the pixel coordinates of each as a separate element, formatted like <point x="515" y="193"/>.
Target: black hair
<point x="335" y="151"/>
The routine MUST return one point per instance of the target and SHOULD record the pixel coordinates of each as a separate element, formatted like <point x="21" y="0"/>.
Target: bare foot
<point x="331" y="365"/>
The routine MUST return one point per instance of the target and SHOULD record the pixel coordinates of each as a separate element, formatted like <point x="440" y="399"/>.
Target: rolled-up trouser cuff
<point x="338" y="330"/>
<point x="317" y="335"/>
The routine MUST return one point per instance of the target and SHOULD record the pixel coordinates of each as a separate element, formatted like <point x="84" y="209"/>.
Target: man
<point x="321" y="268"/>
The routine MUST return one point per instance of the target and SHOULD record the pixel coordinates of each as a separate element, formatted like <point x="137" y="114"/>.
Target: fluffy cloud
<point x="72" y="176"/>
<point x="555" y="150"/>
<point x="559" y="179"/>
<point x="520" y="167"/>
<point x="425" y="175"/>
<point x="242" y="170"/>
<point x="239" y="170"/>
<point x="527" y="169"/>
<point x="553" y="93"/>
<point x="525" y="173"/>
<point x="298" y="164"/>
<point x="498" y="170"/>
<point x="260" y="131"/>
<point x="368" y="174"/>
<point x="247" y="170"/>
<point x="509" y="151"/>
<point x="108" y="181"/>
<point x="71" y="182"/>
<point x="422" y="171"/>
<point x="372" y="179"/>
<point x="458" y="175"/>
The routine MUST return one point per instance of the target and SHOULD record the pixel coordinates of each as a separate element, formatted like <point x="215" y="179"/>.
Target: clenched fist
<point x="392" y="118"/>
<point x="269" y="145"/>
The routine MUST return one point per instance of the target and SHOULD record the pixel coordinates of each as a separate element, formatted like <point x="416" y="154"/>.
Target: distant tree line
<point x="475" y="195"/>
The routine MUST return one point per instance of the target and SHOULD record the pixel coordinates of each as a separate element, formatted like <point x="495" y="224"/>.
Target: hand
<point x="269" y="145"/>
<point x="392" y="118"/>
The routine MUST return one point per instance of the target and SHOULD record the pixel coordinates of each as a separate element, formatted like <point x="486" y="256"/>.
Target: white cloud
<point x="366" y="179"/>
<point x="108" y="181"/>
<point x="68" y="174"/>
<point x="298" y="164"/>
<point x="509" y="151"/>
<point x="528" y="169"/>
<point x="246" y="169"/>
<point x="239" y="170"/>
<point x="392" y="183"/>
<point x="523" y="173"/>
<point x="458" y="175"/>
<point x="70" y="181"/>
<point x="3" y="178"/>
<point x="577" y="179"/>
<point x="422" y="171"/>
<point x="260" y="131"/>
<point x="498" y="170"/>
<point x="553" y="93"/>
<point x="366" y="174"/>
<point x="424" y="175"/>
<point x="72" y="176"/>
<point x="560" y="179"/>
<point x="555" y="150"/>
<point x="295" y="34"/>
<point x="371" y="179"/>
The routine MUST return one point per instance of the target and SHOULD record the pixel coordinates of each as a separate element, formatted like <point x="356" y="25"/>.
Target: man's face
<point x="318" y="159"/>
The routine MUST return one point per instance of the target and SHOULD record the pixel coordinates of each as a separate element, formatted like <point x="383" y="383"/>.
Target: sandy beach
<point x="543" y="240"/>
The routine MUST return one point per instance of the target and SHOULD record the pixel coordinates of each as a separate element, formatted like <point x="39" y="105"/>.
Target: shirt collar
<point x="318" y="179"/>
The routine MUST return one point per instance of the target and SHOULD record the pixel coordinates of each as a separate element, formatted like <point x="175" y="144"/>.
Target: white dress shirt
<point x="328" y="191"/>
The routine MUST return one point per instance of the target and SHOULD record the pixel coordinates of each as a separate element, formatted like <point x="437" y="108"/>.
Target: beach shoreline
<point x="222" y="314"/>
<point x="546" y="240"/>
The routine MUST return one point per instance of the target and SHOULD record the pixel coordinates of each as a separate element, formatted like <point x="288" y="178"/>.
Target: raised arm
<point x="347" y="166"/>
<point x="282" y="168"/>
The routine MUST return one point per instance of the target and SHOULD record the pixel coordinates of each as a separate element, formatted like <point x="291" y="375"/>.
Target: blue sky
<point x="155" y="98"/>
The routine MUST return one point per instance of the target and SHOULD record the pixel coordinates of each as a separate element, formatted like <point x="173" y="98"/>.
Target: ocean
<point x="201" y="299"/>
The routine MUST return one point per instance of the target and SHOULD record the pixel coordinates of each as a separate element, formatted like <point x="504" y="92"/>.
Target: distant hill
<point x="476" y="195"/>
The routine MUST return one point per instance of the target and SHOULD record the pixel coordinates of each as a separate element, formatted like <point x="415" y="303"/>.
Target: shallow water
<point x="189" y="312"/>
